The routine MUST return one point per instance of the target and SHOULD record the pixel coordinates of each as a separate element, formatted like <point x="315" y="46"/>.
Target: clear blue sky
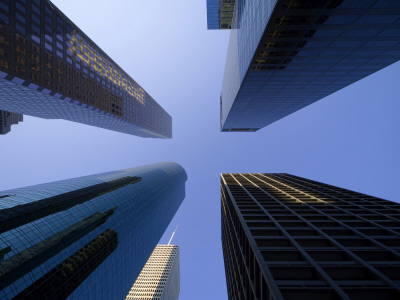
<point x="349" y="139"/>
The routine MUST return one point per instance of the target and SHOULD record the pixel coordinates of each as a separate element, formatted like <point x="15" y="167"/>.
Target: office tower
<point x="159" y="278"/>
<point x="286" y="54"/>
<point x="87" y="237"/>
<point x="286" y="237"/>
<point x="50" y="69"/>
<point x="7" y="119"/>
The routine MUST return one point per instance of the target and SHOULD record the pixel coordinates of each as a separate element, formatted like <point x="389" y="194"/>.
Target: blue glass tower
<point x="50" y="69"/>
<point x="87" y="237"/>
<point x="284" y="55"/>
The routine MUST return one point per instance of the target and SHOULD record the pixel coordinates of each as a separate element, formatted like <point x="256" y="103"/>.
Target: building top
<point x="159" y="278"/>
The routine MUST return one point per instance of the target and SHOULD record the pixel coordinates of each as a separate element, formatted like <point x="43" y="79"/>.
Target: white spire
<point x="173" y="234"/>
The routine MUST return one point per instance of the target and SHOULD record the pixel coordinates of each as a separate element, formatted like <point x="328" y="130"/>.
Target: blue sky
<point x="349" y="139"/>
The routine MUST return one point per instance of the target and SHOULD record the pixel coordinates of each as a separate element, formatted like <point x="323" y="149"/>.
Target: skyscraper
<point x="87" y="237"/>
<point x="50" y="69"/>
<point x="286" y="54"/>
<point x="286" y="237"/>
<point x="159" y="279"/>
<point x="7" y="119"/>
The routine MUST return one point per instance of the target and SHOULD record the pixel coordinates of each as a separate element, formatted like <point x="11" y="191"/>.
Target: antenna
<point x="173" y="234"/>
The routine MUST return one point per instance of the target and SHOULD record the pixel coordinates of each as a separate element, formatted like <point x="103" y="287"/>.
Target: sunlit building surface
<point x="284" y="55"/>
<point x="50" y="69"/>
<point x="159" y="279"/>
<point x="7" y="119"/>
<point x="287" y="237"/>
<point x="87" y="237"/>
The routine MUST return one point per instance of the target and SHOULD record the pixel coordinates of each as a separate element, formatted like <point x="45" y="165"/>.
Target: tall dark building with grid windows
<point x="87" y="237"/>
<point x="286" y="237"/>
<point x="50" y="69"/>
<point x="286" y="54"/>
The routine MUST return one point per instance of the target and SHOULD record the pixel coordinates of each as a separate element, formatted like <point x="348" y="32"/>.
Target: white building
<point x="159" y="278"/>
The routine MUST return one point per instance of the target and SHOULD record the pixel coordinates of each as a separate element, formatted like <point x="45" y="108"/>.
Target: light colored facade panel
<point x="160" y="277"/>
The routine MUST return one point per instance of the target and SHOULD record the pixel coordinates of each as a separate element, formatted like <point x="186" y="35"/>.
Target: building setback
<point x="286" y="54"/>
<point x="287" y="237"/>
<point x="7" y="119"/>
<point x="86" y="237"/>
<point x="50" y="69"/>
<point x="159" y="279"/>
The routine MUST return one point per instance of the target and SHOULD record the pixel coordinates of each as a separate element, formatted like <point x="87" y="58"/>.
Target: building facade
<point x="50" y="69"/>
<point x="286" y="237"/>
<point x="7" y="119"/>
<point x="87" y="237"/>
<point x="159" y="279"/>
<point x="286" y="54"/>
<point x="220" y="13"/>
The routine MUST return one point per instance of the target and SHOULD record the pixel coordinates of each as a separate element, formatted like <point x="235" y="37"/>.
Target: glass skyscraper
<point x="287" y="237"/>
<point x="286" y="54"/>
<point x="87" y="237"/>
<point x="50" y="69"/>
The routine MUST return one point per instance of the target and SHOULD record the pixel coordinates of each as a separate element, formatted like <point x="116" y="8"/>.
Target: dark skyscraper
<point x="286" y="54"/>
<point x="50" y="69"/>
<point x="87" y="237"/>
<point x="286" y="237"/>
<point x="7" y="119"/>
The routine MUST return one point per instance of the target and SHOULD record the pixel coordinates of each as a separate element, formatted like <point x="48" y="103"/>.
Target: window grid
<point x="308" y="239"/>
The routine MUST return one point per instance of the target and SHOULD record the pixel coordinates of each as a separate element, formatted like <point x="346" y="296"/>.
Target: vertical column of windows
<point x="35" y="33"/>
<point x="78" y="84"/>
<point x="69" y="80"/>
<point x="58" y="49"/>
<point x="48" y="70"/>
<point x="46" y="45"/>
<point x="20" y="16"/>
<point x="20" y="56"/>
<point x="4" y="44"/>
<point x="35" y="64"/>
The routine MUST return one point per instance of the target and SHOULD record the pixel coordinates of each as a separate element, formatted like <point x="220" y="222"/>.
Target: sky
<point x="349" y="139"/>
